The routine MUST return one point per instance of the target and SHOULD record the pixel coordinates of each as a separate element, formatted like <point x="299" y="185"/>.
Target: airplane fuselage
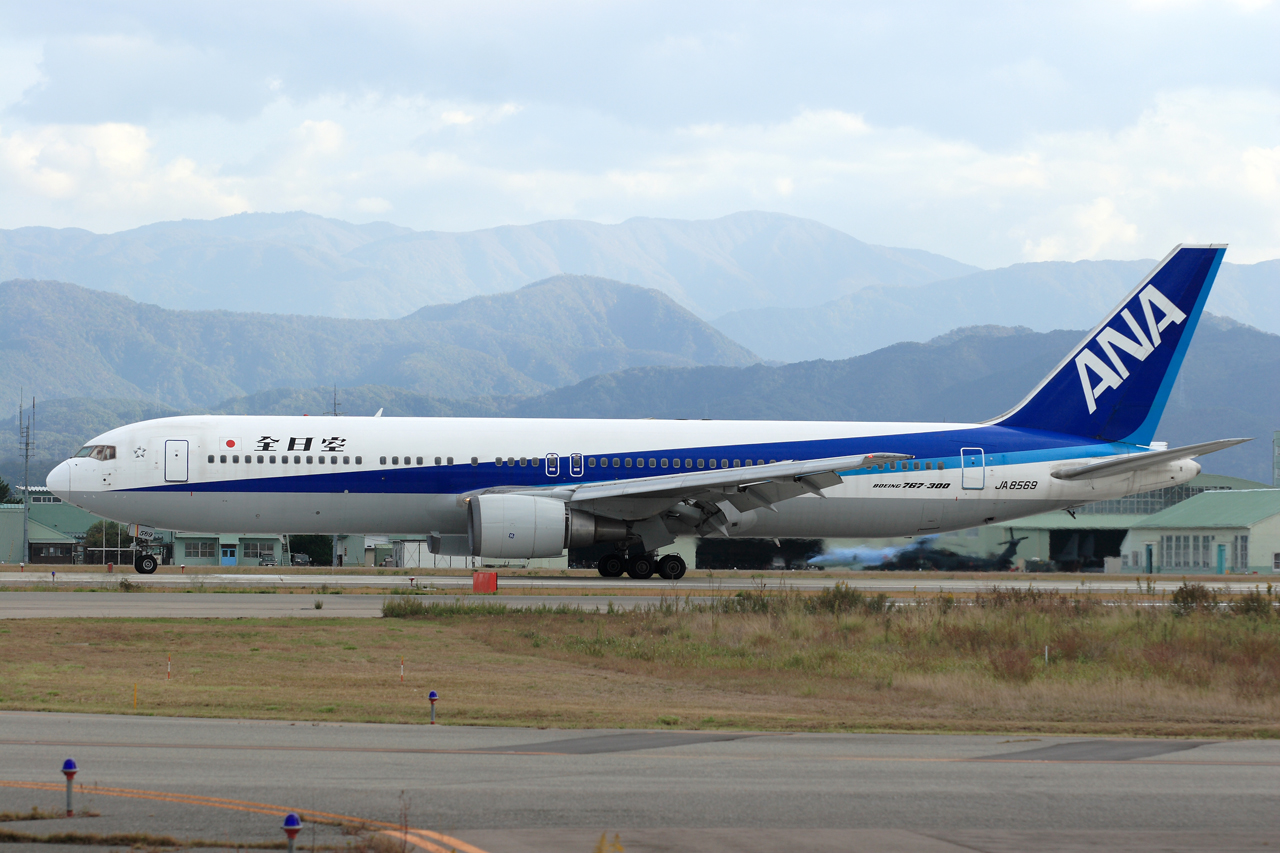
<point x="256" y="474"/>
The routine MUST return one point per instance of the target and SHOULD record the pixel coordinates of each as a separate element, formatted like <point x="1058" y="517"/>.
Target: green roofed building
<point x="1216" y="532"/>
<point x="47" y="545"/>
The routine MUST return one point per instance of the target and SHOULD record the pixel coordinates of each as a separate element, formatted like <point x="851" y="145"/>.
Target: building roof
<point x="1218" y="509"/>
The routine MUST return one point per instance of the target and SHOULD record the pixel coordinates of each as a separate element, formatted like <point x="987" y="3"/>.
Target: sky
<point x="993" y="133"/>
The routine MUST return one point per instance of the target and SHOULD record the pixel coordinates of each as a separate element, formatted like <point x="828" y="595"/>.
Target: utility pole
<point x="25" y="423"/>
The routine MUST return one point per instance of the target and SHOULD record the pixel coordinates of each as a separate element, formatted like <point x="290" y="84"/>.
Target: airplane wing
<point x="747" y="488"/>
<point x="1138" y="461"/>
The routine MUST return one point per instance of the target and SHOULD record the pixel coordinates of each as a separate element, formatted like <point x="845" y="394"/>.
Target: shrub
<point x="840" y="598"/>
<point x="1013" y="665"/>
<point x="1253" y="604"/>
<point x="1192" y="597"/>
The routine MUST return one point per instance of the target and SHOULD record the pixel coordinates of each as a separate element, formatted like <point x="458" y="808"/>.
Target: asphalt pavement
<point x="494" y="790"/>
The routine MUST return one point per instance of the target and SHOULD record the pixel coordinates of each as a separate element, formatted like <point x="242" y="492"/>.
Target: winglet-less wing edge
<point x="1138" y="461"/>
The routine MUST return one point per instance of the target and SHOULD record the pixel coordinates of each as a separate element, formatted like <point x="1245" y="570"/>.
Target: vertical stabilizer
<point x="1115" y="383"/>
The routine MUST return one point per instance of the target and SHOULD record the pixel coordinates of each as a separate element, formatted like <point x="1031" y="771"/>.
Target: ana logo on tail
<point x="1140" y="346"/>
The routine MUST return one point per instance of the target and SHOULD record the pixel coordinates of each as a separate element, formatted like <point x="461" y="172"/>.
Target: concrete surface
<point x="499" y="790"/>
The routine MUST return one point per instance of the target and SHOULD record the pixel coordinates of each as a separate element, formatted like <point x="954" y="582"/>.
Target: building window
<point x="198" y="549"/>
<point x="1275" y="562"/>
<point x="258" y="550"/>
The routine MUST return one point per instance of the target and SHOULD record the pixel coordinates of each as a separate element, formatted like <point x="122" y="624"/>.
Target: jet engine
<point x="520" y="527"/>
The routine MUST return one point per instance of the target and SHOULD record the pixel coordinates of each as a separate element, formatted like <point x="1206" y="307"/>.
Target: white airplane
<point x="524" y="488"/>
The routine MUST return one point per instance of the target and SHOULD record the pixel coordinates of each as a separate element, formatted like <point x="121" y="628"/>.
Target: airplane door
<point x="175" y="461"/>
<point x="973" y="471"/>
<point x="575" y="465"/>
<point x="553" y="465"/>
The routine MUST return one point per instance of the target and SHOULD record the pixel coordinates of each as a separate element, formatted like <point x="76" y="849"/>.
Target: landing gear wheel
<point x="610" y="565"/>
<point x="671" y="567"/>
<point x="145" y="564"/>
<point x="640" y="568"/>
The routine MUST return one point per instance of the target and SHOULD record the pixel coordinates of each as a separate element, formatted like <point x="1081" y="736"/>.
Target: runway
<point x="498" y="790"/>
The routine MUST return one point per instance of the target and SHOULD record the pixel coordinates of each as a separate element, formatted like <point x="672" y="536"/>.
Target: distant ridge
<point x="62" y="340"/>
<point x="299" y="263"/>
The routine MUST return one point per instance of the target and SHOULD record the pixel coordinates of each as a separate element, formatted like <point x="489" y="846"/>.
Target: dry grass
<point x="836" y="661"/>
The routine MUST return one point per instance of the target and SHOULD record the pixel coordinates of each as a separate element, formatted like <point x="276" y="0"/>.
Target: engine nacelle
<point x="521" y="527"/>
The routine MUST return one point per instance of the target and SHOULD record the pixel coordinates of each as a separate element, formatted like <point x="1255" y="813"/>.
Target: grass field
<point x="834" y="661"/>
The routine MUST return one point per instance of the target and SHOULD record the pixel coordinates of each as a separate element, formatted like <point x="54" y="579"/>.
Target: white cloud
<point x="1195" y="165"/>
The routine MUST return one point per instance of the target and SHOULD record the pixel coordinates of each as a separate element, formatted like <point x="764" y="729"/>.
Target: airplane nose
<point x="59" y="481"/>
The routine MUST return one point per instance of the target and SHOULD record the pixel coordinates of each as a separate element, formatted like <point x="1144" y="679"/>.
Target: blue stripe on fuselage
<point x="1002" y="446"/>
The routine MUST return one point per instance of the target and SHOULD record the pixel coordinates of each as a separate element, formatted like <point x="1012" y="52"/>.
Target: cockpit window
<point x="85" y="451"/>
<point x="101" y="452"/>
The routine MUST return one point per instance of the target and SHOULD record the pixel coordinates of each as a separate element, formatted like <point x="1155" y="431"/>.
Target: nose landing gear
<point x="145" y="564"/>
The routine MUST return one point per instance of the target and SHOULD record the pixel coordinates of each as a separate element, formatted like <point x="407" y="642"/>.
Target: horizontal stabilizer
<point x="1139" y="461"/>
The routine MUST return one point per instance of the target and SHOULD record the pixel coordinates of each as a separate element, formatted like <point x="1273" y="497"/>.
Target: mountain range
<point x="1042" y="296"/>
<point x="967" y="375"/>
<point x="61" y="340"/>
<point x="299" y="263"/>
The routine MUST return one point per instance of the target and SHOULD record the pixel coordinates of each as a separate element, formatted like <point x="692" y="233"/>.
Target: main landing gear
<point x="643" y="566"/>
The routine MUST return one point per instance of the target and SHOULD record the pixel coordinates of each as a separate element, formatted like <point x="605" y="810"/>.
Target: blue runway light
<point x="291" y="821"/>
<point x="69" y="766"/>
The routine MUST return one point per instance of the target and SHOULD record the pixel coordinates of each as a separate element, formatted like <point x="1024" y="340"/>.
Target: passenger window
<point x="395" y="460"/>
<point x="359" y="460"/>
<point x="284" y="460"/>
<point x="498" y="461"/>
<point x="675" y="463"/>
<point x="333" y="460"/>
<point x="222" y="459"/>
<point x="737" y="463"/>
<point x="235" y="459"/>
<point x="640" y="462"/>
<point x="475" y="461"/>
<point x="615" y="462"/>
<point x="310" y="460"/>
<point x="346" y="460"/>
<point x="628" y="463"/>
<point x="941" y="466"/>
<point x="916" y="466"/>
<point x="928" y="466"/>
<point x="437" y="460"/>
<point x="759" y="461"/>
<point x="320" y="459"/>
<point x="259" y="460"/>
<point x="420" y="460"/>
<point x="210" y="458"/>
<point x="511" y="462"/>
<point x="524" y="461"/>
<point x="711" y="463"/>
<point x="653" y="463"/>
<point x="273" y="460"/>
<point x="591" y="462"/>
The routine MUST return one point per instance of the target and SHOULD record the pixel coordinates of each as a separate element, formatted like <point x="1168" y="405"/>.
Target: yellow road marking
<point x="254" y="808"/>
